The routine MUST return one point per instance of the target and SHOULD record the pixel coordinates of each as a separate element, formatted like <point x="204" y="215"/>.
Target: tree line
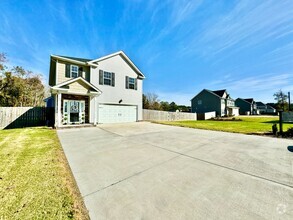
<point x="19" y="87"/>
<point x="151" y="101"/>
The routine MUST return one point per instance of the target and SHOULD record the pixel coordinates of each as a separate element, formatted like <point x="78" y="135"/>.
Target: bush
<point x="289" y="132"/>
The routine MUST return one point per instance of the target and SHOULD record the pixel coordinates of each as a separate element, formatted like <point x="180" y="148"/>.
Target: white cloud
<point x="249" y="23"/>
<point x="260" y="87"/>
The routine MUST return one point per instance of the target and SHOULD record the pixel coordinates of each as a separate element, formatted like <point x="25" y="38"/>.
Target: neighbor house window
<point x="199" y="102"/>
<point x="73" y="71"/>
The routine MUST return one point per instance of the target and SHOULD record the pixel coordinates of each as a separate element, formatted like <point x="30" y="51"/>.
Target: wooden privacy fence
<point x="154" y="115"/>
<point x="19" y="117"/>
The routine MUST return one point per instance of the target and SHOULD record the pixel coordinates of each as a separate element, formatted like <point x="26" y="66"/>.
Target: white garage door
<point x="117" y="113"/>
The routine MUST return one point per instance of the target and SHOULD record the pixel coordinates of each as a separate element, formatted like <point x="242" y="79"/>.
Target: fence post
<point x="281" y="121"/>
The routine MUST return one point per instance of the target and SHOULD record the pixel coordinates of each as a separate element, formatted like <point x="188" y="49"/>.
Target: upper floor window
<point x="73" y="71"/>
<point x="130" y="83"/>
<point x="106" y="78"/>
<point x="199" y="102"/>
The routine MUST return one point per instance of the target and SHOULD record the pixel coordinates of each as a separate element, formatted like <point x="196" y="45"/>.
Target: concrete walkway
<point x="150" y="171"/>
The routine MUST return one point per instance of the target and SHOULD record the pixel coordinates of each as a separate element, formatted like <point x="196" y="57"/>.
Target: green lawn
<point x="35" y="180"/>
<point x="248" y="125"/>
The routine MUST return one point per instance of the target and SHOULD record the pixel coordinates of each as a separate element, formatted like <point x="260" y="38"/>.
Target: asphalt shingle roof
<point x="219" y="92"/>
<point x="76" y="58"/>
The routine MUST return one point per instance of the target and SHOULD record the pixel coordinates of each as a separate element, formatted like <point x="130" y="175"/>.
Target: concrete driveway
<point x="150" y="171"/>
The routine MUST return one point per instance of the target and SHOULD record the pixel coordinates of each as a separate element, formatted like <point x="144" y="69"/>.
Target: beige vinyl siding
<point x="78" y="87"/>
<point x="61" y="73"/>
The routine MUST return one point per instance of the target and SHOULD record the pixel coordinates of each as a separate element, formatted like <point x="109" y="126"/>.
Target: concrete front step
<point x="76" y="126"/>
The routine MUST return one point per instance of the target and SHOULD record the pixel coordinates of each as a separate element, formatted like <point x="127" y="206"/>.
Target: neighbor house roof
<point x="220" y="92"/>
<point x="260" y="104"/>
<point x="268" y="106"/>
<point x="250" y="100"/>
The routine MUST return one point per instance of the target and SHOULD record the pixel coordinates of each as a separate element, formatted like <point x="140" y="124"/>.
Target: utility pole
<point x="289" y="100"/>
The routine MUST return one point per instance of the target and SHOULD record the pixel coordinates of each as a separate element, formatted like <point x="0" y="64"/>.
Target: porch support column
<point x="59" y="109"/>
<point x="95" y="110"/>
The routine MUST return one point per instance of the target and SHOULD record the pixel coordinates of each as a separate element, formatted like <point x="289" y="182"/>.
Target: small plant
<point x="289" y="132"/>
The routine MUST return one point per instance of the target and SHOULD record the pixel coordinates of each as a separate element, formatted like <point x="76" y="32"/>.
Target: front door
<point x="73" y="111"/>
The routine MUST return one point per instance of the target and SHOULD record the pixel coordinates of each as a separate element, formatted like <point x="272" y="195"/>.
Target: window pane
<point x="107" y="82"/>
<point x="131" y="86"/>
<point x="74" y="74"/>
<point x="107" y="78"/>
<point x="74" y="68"/>
<point x="131" y="80"/>
<point x="107" y="75"/>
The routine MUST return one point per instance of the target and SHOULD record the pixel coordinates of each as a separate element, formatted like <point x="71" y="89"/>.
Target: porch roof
<point x="62" y="86"/>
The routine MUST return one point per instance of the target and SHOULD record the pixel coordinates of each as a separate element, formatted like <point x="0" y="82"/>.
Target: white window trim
<point x="73" y="71"/>
<point x="129" y="78"/>
<point x="111" y="78"/>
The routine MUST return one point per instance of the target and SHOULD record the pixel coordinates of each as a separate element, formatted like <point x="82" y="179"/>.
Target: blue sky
<point x="244" y="46"/>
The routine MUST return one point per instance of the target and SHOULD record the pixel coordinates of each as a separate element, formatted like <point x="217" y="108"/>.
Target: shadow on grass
<point x="276" y="122"/>
<point x="271" y="122"/>
<point x="290" y="148"/>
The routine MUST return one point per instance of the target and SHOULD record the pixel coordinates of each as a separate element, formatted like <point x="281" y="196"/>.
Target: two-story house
<point x="103" y="90"/>
<point x="247" y="106"/>
<point x="218" y="101"/>
<point x="264" y="109"/>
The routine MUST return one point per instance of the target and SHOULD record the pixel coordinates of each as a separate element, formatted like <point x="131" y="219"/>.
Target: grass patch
<point x="247" y="125"/>
<point x="35" y="180"/>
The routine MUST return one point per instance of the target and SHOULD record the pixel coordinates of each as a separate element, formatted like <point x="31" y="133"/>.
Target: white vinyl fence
<point x="154" y="115"/>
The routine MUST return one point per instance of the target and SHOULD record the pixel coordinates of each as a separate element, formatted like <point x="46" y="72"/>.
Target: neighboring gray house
<point x="264" y="109"/>
<point x="218" y="101"/>
<point x="271" y="109"/>
<point x="246" y="106"/>
<point x="103" y="90"/>
<point x="261" y="107"/>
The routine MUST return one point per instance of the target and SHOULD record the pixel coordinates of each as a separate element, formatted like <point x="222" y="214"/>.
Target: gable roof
<point x="245" y="100"/>
<point x="76" y="58"/>
<point x="250" y="100"/>
<point x="269" y="106"/>
<point x="220" y="92"/>
<point x="260" y="104"/>
<point x="124" y="56"/>
<point x="60" y="85"/>
<point x="95" y="62"/>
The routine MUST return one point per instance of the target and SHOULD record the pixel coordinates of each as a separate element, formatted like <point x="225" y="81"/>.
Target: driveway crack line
<point x="126" y="178"/>
<point x="225" y="167"/>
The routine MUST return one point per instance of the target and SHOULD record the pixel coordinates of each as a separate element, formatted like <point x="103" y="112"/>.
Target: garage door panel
<point x="117" y="113"/>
